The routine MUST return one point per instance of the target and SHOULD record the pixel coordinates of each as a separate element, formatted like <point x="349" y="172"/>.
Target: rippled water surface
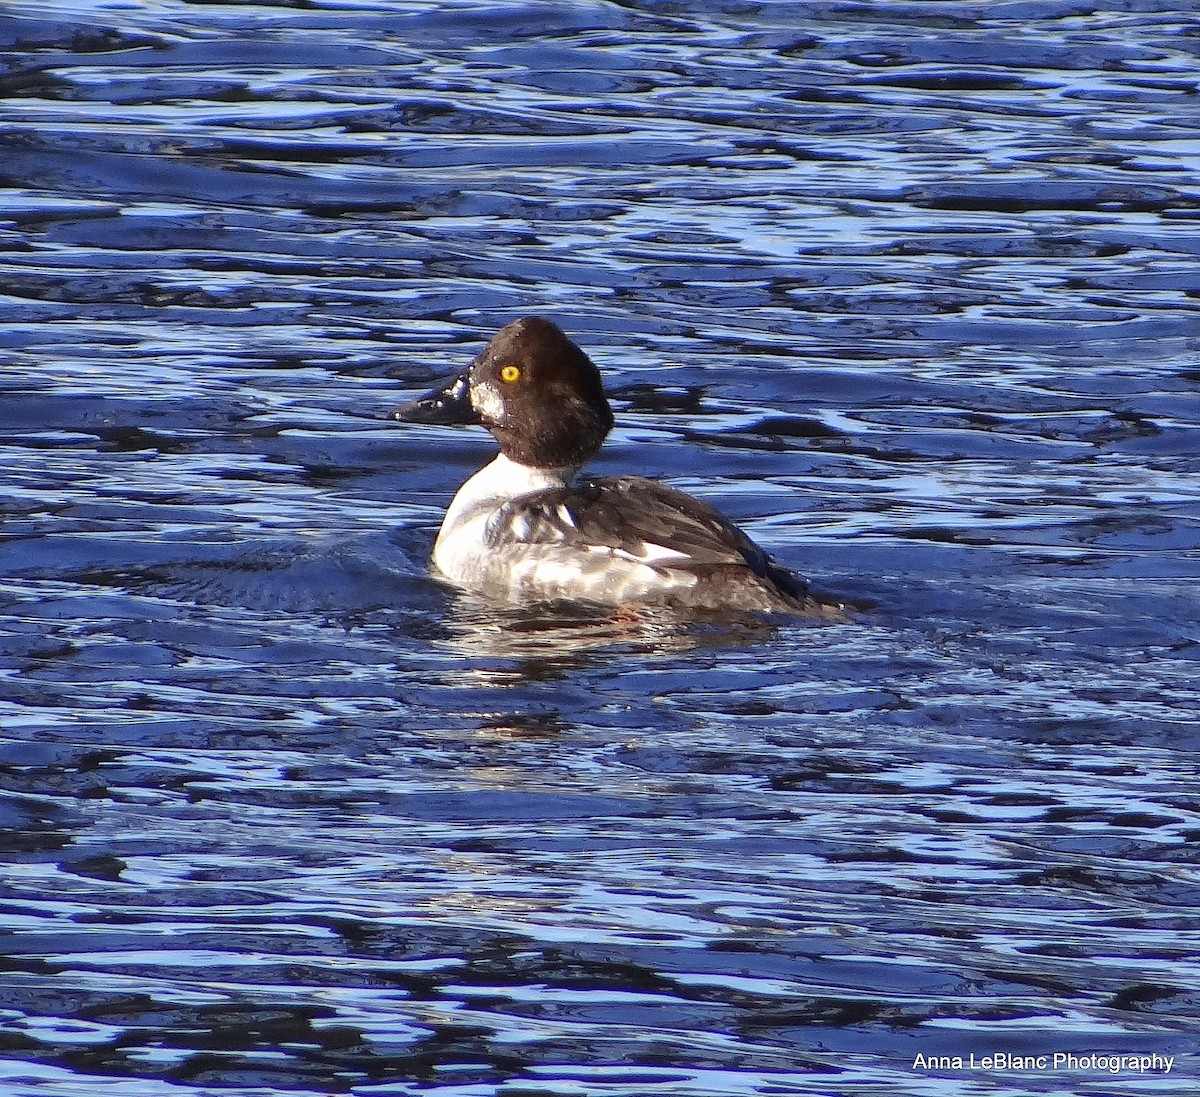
<point x="909" y="289"/>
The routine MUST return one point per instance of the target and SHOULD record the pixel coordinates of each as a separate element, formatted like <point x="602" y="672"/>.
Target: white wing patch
<point x="521" y="526"/>
<point x="651" y="554"/>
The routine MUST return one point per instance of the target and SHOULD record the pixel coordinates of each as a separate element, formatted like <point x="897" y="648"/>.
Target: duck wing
<point x="643" y="521"/>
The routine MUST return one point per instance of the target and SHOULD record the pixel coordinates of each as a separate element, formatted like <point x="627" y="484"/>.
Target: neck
<point x="504" y="479"/>
<point x="514" y="478"/>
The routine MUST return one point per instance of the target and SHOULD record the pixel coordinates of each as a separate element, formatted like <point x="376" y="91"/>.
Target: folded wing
<point x="642" y="521"/>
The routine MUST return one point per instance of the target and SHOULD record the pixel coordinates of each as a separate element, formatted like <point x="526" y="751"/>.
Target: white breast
<point x="461" y="553"/>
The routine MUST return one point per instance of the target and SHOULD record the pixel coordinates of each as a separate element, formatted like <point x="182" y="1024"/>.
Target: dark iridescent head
<point x="534" y="389"/>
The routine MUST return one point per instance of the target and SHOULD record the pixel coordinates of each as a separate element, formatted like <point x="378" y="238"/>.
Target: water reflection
<point x="909" y="293"/>
<point x="553" y="639"/>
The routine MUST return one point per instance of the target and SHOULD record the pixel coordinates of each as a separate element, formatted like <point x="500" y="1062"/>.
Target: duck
<point x="529" y="528"/>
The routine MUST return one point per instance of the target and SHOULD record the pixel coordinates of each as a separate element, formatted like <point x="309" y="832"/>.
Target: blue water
<point x="908" y="289"/>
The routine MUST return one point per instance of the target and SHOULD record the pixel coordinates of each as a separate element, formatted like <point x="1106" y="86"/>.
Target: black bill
<point x="444" y="406"/>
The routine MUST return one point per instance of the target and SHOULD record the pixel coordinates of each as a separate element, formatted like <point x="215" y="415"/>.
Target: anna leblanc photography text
<point x="1090" y="1062"/>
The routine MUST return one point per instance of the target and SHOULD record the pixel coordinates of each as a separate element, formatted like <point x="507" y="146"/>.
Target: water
<point x="908" y="289"/>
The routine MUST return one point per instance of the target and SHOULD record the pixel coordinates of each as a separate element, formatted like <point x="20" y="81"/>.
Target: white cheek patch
<point x="486" y="399"/>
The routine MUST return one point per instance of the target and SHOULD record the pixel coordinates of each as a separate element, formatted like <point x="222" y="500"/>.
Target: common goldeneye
<point x="524" y="528"/>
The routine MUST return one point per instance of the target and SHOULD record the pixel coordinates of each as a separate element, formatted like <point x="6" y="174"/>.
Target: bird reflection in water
<point x="555" y="637"/>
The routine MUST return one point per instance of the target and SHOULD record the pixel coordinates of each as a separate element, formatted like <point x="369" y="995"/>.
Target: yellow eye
<point x="510" y="373"/>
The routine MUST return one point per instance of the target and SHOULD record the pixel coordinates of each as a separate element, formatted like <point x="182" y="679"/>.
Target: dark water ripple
<point x="909" y="289"/>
